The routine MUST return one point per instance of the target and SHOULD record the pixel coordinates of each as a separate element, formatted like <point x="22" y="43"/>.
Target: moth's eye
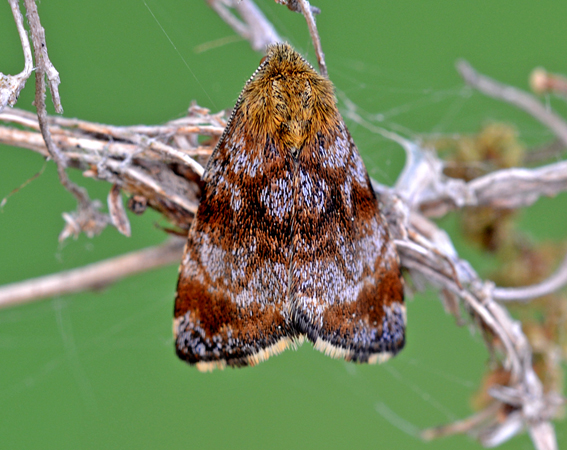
<point x="263" y="59"/>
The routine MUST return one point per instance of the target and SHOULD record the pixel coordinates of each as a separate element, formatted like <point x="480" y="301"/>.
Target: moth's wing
<point x="231" y="305"/>
<point x="347" y="289"/>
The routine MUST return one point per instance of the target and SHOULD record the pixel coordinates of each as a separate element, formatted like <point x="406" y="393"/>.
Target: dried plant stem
<point x="534" y="409"/>
<point x="524" y="294"/>
<point x="42" y="61"/>
<point x="186" y="126"/>
<point x="93" y="276"/>
<point x="253" y="27"/>
<point x="516" y="97"/>
<point x="10" y="86"/>
<point x="464" y="426"/>
<point x="60" y="160"/>
<point x="307" y="12"/>
<point x="87" y="218"/>
<point x="261" y="33"/>
<point x="508" y="188"/>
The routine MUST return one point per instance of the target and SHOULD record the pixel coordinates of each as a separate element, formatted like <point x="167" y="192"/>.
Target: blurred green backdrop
<point x="97" y="370"/>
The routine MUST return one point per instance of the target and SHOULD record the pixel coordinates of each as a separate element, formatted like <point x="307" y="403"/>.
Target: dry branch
<point x="252" y="25"/>
<point x="516" y="97"/>
<point x="154" y="162"/>
<point x="546" y="287"/>
<point x="308" y="11"/>
<point x="11" y="85"/>
<point x="93" y="276"/>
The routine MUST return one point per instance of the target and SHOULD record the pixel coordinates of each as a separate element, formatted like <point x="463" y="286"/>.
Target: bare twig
<point x="138" y="158"/>
<point x="11" y="85"/>
<point x="94" y="276"/>
<point x="508" y="188"/>
<point x="423" y="185"/>
<point x="465" y="426"/>
<point x="308" y="11"/>
<point x="532" y="406"/>
<point x="516" y="97"/>
<point x="186" y="126"/>
<point x="254" y="26"/>
<point x="42" y="61"/>
<point x="167" y="150"/>
<point x="259" y="31"/>
<point x="546" y="287"/>
<point x="436" y="194"/>
<point x="87" y="218"/>
<point x="262" y="32"/>
<point x="308" y="14"/>
<point x="294" y="5"/>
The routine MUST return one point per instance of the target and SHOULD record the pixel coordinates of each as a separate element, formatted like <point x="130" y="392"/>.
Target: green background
<point x="97" y="370"/>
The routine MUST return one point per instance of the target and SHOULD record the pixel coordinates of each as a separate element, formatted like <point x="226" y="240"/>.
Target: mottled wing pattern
<point x="347" y="290"/>
<point x="231" y="305"/>
<point x="288" y="239"/>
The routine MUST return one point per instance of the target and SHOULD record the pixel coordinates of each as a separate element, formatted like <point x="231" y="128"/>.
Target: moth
<point x="288" y="242"/>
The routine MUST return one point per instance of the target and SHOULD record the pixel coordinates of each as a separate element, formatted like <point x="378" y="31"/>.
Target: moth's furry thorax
<point x="287" y="99"/>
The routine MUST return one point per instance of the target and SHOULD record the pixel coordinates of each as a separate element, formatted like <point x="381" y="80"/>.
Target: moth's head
<point x="288" y="100"/>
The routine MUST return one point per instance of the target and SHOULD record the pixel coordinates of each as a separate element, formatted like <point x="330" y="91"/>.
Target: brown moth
<point x="288" y="241"/>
